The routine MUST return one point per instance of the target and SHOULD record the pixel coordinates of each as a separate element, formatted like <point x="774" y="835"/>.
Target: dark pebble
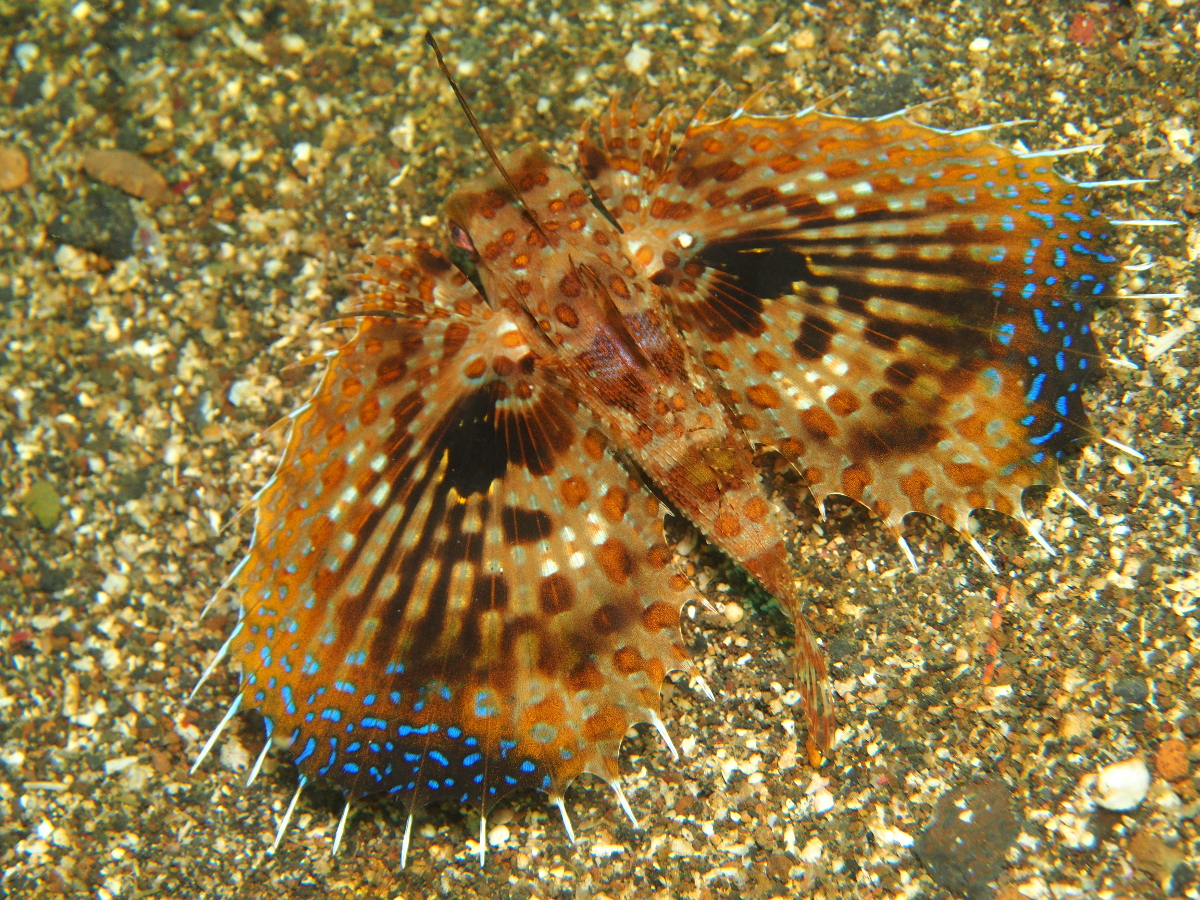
<point x="1104" y="822"/>
<point x="842" y="648"/>
<point x="891" y="730"/>
<point x="100" y="219"/>
<point x="65" y="629"/>
<point x="1181" y="879"/>
<point x="964" y="857"/>
<point x="132" y="487"/>
<point x="54" y="580"/>
<point x="1132" y="690"/>
<point x="29" y="89"/>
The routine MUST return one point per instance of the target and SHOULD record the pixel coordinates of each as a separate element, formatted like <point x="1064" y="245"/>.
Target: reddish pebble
<point x="1083" y="30"/>
<point x="1171" y="760"/>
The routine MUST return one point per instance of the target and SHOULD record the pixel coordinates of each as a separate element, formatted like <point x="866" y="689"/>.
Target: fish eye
<point x="460" y="239"/>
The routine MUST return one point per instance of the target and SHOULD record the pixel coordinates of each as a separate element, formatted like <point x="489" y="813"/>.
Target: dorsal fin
<point x="487" y="145"/>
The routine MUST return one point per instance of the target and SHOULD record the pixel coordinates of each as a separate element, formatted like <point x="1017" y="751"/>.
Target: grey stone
<point x="964" y="846"/>
<point x="1132" y="690"/>
<point x="99" y="219"/>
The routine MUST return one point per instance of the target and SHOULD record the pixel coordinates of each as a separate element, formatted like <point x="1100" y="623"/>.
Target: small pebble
<point x="734" y="613"/>
<point x="501" y="816"/>
<point x="1152" y="855"/>
<point x="681" y="847"/>
<point x="1075" y="725"/>
<point x="128" y="172"/>
<point x="689" y="541"/>
<point x="41" y="501"/>
<point x="811" y="853"/>
<point x="302" y="154"/>
<point x="99" y="219"/>
<point x="1132" y="690"/>
<point x="1171" y="760"/>
<point x="14" y="168"/>
<point x="498" y="835"/>
<point x="26" y="54"/>
<point x="637" y="60"/>
<point x="1123" y="785"/>
<point x="979" y="45"/>
<point x="115" y="584"/>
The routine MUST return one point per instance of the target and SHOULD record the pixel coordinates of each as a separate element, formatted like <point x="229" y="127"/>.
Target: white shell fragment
<point x="1123" y="785"/>
<point x="638" y="60"/>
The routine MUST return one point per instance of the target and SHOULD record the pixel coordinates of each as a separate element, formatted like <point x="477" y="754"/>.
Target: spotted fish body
<point x="458" y="584"/>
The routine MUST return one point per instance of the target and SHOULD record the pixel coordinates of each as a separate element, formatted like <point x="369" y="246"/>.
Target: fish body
<point x="458" y="584"/>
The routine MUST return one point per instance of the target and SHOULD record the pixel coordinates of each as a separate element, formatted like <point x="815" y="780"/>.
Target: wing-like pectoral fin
<point x="455" y="589"/>
<point x="908" y="309"/>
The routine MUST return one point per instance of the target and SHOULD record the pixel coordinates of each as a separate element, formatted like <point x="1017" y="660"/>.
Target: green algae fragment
<point x="41" y="501"/>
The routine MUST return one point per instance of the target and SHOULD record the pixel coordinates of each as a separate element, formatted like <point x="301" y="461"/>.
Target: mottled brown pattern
<point x="467" y="538"/>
